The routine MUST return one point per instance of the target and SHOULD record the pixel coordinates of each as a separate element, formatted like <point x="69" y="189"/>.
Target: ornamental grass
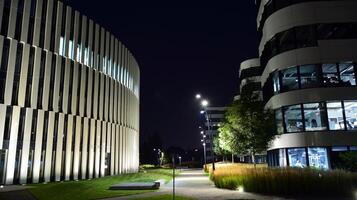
<point x="284" y="181"/>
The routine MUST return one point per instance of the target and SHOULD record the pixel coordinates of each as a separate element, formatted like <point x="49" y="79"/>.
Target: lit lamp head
<point x="204" y="103"/>
<point x="198" y="96"/>
<point x="202" y="132"/>
<point x="202" y="111"/>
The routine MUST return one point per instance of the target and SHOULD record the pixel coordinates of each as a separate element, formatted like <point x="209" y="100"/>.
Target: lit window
<point x="276" y="83"/>
<point x="293" y="118"/>
<point x="347" y="74"/>
<point x="297" y="157"/>
<point x="71" y="50"/>
<point x="330" y="74"/>
<point x="79" y="53"/>
<point x="86" y="56"/>
<point x="314" y="114"/>
<point x="351" y="114"/>
<point x="353" y="148"/>
<point x="318" y="158"/>
<point x="335" y="116"/>
<point x="339" y="149"/>
<point x="62" y="46"/>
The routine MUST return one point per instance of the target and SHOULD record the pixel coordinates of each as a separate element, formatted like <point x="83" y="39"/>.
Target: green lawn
<point x="96" y="188"/>
<point x="165" y="197"/>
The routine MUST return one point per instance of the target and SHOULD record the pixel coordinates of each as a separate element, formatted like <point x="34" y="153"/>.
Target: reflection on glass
<point x="330" y="74"/>
<point x="314" y="114"/>
<point x="351" y="114"/>
<point x="339" y="149"/>
<point x="276" y="82"/>
<point x="290" y="79"/>
<point x="335" y="116"/>
<point x="282" y="158"/>
<point x="293" y="118"/>
<point x="309" y="76"/>
<point x="347" y="74"/>
<point x="318" y="158"/>
<point x="279" y="121"/>
<point x="297" y="157"/>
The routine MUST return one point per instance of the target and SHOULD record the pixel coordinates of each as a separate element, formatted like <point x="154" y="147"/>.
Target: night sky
<point x="182" y="48"/>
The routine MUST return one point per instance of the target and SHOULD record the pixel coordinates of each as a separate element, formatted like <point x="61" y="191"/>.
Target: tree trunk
<point x="253" y="160"/>
<point x="232" y="158"/>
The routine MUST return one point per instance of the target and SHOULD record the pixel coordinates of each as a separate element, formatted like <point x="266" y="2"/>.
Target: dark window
<point x="29" y="77"/>
<point x="43" y="23"/>
<point x="52" y="81"/>
<point x="41" y="80"/>
<point x="21" y="127"/>
<point x="70" y="88"/>
<point x="3" y="68"/>
<point x="78" y="87"/>
<point x="53" y="26"/>
<point x="286" y="40"/>
<point x="253" y="71"/>
<point x="15" y="88"/>
<point x="31" y="22"/>
<point x="63" y="25"/>
<point x="60" y="101"/>
<point x="310" y="76"/>
<point x="305" y="36"/>
<point x="5" y="19"/>
<point x="289" y="79"/>
<point x="20" y="11"/>
<point x="7" y="129"/>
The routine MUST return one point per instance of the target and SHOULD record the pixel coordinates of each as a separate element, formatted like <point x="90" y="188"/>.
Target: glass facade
<point x="310" y="76"/>
<point x="279" y="122"/>
<point x="351" y="114"/>
<point x="306" y="36"/>
<point x="289" y="79"/>
<point x="318" y="157"/>
<point x="315" y="157"/>
<point x="297" y="157"/>
<point x="331" y="115"/>
<point x="335" y="115"/>
<point x="293" y="119"/>
<point x="314" y="114"/>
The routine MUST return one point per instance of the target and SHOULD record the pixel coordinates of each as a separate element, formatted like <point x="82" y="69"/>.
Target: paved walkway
<point x="15" y="192"/>
<point x="194" y="183"/>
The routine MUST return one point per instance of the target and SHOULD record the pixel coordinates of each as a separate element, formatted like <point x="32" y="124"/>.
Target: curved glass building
<point x="308" y="54"/>
<point x="69" y="96"/>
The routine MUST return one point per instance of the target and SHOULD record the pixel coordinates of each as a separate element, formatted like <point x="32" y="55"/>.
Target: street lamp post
<point x="204" y="104"/>
<point x="204" y="152"/>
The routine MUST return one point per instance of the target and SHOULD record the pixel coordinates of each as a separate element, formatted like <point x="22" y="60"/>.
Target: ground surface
<point x="83" y="190"/>
<point x="195" y="184"/>
<point x="191" y="184"/>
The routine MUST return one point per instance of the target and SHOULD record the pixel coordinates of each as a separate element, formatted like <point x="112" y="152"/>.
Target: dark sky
<point x="182" y="48"/>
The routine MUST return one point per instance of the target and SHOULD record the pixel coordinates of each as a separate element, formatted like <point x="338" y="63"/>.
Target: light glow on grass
<point x="97" y="188"/>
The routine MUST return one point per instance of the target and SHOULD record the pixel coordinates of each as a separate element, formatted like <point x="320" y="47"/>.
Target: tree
<point x="248" y="126"/>
<point x="218" y="150"/>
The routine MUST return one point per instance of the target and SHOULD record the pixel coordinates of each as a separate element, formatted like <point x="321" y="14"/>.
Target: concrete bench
<point x="136" y="186"/>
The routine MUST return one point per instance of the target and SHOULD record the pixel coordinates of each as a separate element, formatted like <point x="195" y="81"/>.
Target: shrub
<point x="285" y="181"/>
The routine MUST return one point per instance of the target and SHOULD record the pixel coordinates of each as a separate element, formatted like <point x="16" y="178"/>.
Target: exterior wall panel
<point x="72" y="92"/>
